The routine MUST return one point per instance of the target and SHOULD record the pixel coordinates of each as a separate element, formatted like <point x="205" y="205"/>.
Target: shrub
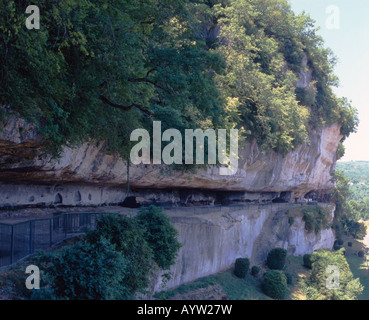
<point x="315" y="218"/>
<point x="340" y="242"/>
<point x="241" y="267"/>
<point x="84" y="271"/>
<point x="308" y="261"/>
<point x="316" y="288"/>
<point x="360" y="254"/>
<point x="128" y="237"/>
<point x="160" y="235"/>
<point x="336" y="246"/>
<point x="288" y="277"/>
<point x="349" y="244"/>
<point x="276" y="258"/>
<point x="112" y="262"/>
<point x="255" y="271"/>
<point x="275" y="284"/>
<point x="354" y="228"/>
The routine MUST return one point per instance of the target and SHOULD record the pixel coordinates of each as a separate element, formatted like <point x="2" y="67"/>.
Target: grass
<point x="358" y="266"/>
<point x="249" y="288"/>
<point x="235" y="288"/>
<point x="359" y="270"/>
<point x="296" y="268"/>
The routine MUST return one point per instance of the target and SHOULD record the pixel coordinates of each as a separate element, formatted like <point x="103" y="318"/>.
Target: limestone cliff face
<point x="213" y="241"/>
<point x="302" y="170"/>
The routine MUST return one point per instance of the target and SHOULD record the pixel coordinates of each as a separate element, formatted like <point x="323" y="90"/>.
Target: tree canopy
<point x="100" y="69"/>
<point x="331" y="278"/>
<point x="348" y="212"/>
<point x="357" y="174"/>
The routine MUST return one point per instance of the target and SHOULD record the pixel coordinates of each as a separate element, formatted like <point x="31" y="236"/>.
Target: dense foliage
<point x="84" y="271"/>
<point x="255" y="270"/>
<point x="241" y="267"/>
<point x="337" y="246"/>
<point x="99" y="69"/>
<point x="276" y="258"/>
<point x="114" y="261"/>
<point x="316" y="287"/>
<point x="160" y="235"/>
<point x="346" y="219"/>
<point x="275" y="284"/>
<point x="307" y="261"/>
<point x="315" y="218"/>
<point x="95" y="65"/>
<point x="128" y="238"/>
<point x="357" y="174"/>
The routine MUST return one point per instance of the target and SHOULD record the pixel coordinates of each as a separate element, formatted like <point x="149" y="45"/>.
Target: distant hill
<point x="358" y="174"/>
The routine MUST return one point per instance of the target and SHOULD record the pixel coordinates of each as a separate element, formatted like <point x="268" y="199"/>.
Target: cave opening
<point x="58" y="199"/>
<point x="284" y="197"/>
<point x="130" y="202"/>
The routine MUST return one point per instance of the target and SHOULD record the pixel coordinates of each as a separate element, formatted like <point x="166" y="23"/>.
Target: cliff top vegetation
<point x="100" y="69"/>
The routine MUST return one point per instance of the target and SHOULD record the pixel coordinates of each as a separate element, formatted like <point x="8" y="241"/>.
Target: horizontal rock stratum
<point x="22" y="161"/>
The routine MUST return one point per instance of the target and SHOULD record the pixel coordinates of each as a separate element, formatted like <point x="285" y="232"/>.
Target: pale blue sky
<point x="350" y="43"/>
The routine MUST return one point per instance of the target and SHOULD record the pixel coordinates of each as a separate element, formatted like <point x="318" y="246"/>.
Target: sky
<point x="344" y="26"/>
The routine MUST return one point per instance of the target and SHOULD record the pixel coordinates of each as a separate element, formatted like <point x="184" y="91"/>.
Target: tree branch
<point x="147" y="22"/>
<point x="148" y="72"/>
<point x="125" y="108"/>
<point x="148" y="81"/>
<point x="253" y="101"/>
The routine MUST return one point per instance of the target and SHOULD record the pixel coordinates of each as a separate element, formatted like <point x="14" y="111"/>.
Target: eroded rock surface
<point x="22" y="163"/>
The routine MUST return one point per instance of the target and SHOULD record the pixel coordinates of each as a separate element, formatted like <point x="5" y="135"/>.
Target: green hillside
<point x="357" y="173"/>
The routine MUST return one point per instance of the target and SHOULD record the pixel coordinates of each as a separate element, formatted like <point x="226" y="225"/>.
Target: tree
<point x="347" y="212"/>
<point x="264" y="44"/>
<point x="160" y="235"/>
<point x="275" y="284"/>
<point x="241" y="267"/>
<point x="266" y="102"/>
<point x="128" y="238"/>
<point x="315" y="218"/>
<point x="97" y="70"/>
<point x="276" y="258"/>
<point x="114" y="261"/>
<point x="84" y="271"/>
<point x="316" y="287"/>
<point x="94" y="65"/>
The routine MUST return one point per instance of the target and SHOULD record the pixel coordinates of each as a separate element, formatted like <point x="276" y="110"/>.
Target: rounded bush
<point x="160" y="235"/>
<point x="241" y="267"/>
<point x="308" y="263"/>
<point x="340" y="242"/>
<point x="360" y="254"/>
<point x="349" y="244"/>
<point x="255" y="271"/>
<point x="336" y="247"/>
<point x="84" y="271"/>
<point x="277" y="258"/>
<point x="288" y="277"/>
<point x="128" y="238"/>
<point x="275" y="284"/>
